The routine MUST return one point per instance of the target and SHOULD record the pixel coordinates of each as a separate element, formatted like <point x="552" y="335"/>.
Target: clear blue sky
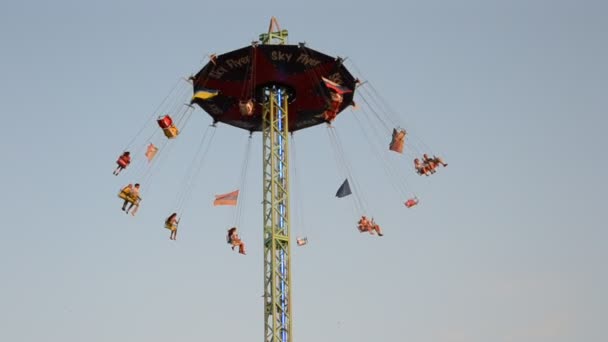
<point x="507" y="245"/>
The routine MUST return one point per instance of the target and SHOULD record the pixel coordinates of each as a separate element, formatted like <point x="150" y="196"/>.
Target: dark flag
<point x="344" y="190"/>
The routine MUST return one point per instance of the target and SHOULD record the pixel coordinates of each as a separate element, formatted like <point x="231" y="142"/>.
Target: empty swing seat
<point x="246" y="108"/>
<point x="171" y="132"/>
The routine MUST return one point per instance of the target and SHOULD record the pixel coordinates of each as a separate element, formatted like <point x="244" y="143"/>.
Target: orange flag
<point x="151" y="152"/>
<point x="397" y="141"/>
<point x="226" y="199"/>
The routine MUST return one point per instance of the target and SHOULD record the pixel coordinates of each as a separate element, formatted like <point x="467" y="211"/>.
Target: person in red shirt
<point x="123" y="161"/>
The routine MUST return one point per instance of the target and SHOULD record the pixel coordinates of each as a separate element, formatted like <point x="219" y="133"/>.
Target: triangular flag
<point x="151" y="151"/>
<point x="226" y="199"/>
<point x="344" y="190"/>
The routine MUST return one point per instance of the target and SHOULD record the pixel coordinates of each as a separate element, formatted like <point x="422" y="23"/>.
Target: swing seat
<point x="125" y="194"/>
<point x="411" y="202"/>
<point x="165" y="121"/>
<point x="151" y="152"/>
<point x="123" y="162"/>
<point x="246" y="108"/>
<point x="171" y="132"/>
<point x="171" y="227"/>
<point x="302" y="241"/>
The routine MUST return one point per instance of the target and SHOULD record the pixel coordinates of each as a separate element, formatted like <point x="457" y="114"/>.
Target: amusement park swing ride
<point x="276" y="89"/>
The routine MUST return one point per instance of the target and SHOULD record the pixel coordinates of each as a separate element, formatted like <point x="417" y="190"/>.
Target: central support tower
<point x="277" y="270"/>
<point x="277" y="260"/>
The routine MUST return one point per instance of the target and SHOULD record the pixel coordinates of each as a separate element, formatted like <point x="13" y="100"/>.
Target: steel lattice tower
<point x="277" y="257"/>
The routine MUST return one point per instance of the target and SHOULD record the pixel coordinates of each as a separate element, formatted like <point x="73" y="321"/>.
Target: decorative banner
<point x="226" y="199"/>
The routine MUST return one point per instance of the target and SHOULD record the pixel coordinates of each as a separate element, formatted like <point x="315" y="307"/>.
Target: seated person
<point x="130" y="194"/>
<point x="375" y="228"/>
<point x="363" y="224"/>
<point x="421" y="169"/>
<point x="123" y="161"/>
<point x="432" y="163"/>
<point x="439" y="161"/>
<point x="333" y="107"/>
<point x="234" y="240"/>
<point x="171" y="223"/>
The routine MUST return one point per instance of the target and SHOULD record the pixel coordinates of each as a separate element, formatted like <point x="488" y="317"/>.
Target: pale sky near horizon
<point x="507" y="244"/>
